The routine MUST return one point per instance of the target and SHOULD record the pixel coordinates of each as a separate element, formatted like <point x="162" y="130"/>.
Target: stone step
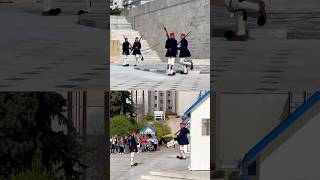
<point x="171" y="175"/>
<point x="120" y="26"/>
<point x="143" y="177"/>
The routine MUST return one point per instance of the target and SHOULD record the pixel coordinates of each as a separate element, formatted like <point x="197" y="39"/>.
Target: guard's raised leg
<point x="184" y="66"/>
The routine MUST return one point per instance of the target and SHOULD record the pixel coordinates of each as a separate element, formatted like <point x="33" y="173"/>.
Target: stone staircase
<point x="97" y="16"/>
<point x="120" y="27"/>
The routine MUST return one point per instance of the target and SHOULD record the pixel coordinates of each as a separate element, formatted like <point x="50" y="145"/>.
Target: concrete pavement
<point x="154" y="165"/>
<point x="126" y="78"/>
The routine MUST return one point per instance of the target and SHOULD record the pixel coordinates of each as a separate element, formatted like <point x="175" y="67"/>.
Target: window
<point x="155" y="105"/>
<point x="161" y="101"/>
<point x="161" y="94"/>
<point x="205" y="125"/>
<point x="161" y="108"/>
<point x="169" y="107"/>
<point x="155" y="97"/>
<point x="169" y="101"/>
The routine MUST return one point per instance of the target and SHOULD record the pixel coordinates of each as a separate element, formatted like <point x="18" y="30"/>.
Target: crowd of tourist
<point x="145" y="143"/>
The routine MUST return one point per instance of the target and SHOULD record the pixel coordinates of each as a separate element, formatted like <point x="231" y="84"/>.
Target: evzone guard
<point x="126" y="51"/>
<point x="137" y="50"/>
<point x="171" y="54"/>
<point x="181" y="139"/>
<point x="240" y="9"/>
<point x="184" y="55"/>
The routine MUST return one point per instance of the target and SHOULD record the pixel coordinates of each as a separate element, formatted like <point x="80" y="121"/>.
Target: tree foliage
<point x="25" y="121"/>
<point x="148" y="117"/>
<point x="161" y="129"/>
<point x="122" y="104"/>
<point x="120" y="125"/>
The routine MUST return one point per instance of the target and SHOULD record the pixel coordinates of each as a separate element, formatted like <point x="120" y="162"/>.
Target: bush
<point x="120" y="125"/>
<point x="116" y="12"/>
<point x="148" y="117"/>
<point x="161" y="129"/>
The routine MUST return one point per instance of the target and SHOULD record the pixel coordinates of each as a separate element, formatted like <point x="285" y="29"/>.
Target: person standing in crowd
<point x="143" y="143"/>
<point x="155" y="143"/>
<point x="126" y="144"/>
<point x="121" y="145"/>
<point x="116" y="143"/>
<point x="113" y="144"/>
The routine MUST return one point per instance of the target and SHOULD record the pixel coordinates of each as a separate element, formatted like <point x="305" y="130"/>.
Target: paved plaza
<point x="129" y="78"/>
<point x="281" y="56"/>
<point x="50" y="53"/>
<point x="154" y="165"/>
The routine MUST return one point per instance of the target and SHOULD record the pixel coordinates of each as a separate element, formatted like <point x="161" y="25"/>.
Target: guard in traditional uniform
<point x="133" y="147"/>
<point x="125" y="51"/>
<point x="184" y="55"/>
<point x="240" y="8"/>
<point x="171" y="46"/>
<point x="182" y="139"/>
<point x="136" y="50"/>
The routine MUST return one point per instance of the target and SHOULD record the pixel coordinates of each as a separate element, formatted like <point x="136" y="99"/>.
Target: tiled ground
<point x="161" y="68"/>
<point x="128" y="78"/>
<point x="163" y="161"/>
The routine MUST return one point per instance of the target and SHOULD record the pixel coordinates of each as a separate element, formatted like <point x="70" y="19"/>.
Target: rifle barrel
<point x="184" y="38"/>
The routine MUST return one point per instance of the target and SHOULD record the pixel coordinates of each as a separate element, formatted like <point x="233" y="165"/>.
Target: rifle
<point x="165" y="30"/>
<point x="184" y="37"/>
<point x="142" y="58"/>
<point x="151" y="47"/>
<point x="138" y="41"/>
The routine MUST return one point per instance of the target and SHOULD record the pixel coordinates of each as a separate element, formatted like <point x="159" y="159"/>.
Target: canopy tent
<point x="148" y="129"/>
